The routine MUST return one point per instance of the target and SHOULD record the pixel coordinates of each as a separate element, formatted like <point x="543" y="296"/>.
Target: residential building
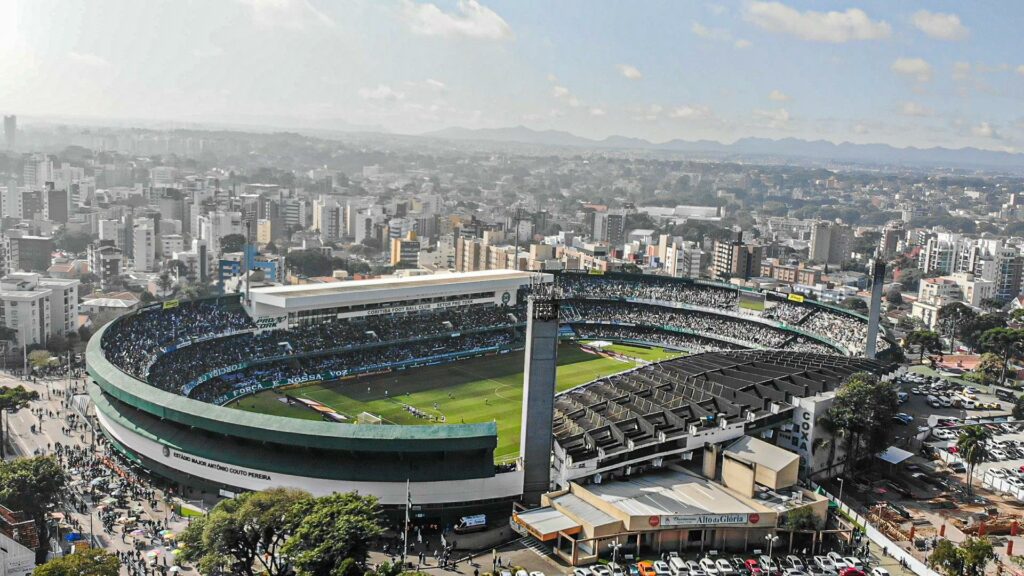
<point x="682" y="259"/>
<point x="143" y="246"/>
<point x="29" y="253"/>
<point x="405" y="251"/>
<point x="736" y="259"/>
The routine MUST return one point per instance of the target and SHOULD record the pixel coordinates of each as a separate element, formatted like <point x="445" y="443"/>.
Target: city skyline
<point x="941" y="74"/>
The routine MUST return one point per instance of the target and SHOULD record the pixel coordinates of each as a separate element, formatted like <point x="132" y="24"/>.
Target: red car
<point x="851" y="572"/>
<point x="753" y="567"/>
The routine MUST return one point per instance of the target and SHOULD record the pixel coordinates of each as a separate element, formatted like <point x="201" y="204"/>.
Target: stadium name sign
<point x="220" y="467"/>
<point x="413" y="307"/>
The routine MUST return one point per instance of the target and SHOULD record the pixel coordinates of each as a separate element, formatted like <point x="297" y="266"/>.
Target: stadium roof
<point x="662" y="401"/>
<point x="390" y="283"/>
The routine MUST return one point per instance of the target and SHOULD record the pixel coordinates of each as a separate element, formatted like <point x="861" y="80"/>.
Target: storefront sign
<point x="705" y="520"/>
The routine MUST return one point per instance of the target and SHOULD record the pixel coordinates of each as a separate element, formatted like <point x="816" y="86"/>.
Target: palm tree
<point x="973" y="448"/>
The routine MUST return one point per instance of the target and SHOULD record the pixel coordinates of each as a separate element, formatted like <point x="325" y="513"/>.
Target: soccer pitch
<point x="475" y="390"/>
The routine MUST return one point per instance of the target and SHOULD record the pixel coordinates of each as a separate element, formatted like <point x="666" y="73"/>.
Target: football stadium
<point x="413" y="388"/>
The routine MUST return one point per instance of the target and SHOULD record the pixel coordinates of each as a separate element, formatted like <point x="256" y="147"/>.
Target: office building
<point x="736" y="259"/>
<point x="29" y="253"/>
<point x="11" y="131"/>
<point x="405" y="251"/>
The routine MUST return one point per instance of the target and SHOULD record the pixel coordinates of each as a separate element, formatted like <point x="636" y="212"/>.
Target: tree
<point x="975" y="328"/>
<point x="924" y="340"/>
<point x="894" y="297"/>
<point x="12" y="399"/>
<point x="309" y="263"/>
<point x="232" y="243"/>
<point x="333" y="530"/>
<point x="989" y="369"/>
<point x="861" y="415"/>
<point x="968" y="559"/>
<point x="57" y="344"/>
<point x="952" y="319"/>
<point x="74" y="242"/>
<point x="1018" y="408"/>
<point x="164" y="283"/>
<point x="991" y="304"/>
<point x="854" y="303"/>
<point x="33" y="486"/>
<point x="88" y="562"/>
<point x="973" y="449"/>
<point x="270" y="248"/>
<point x="244" y="535"/>
<point x="1003" y="341"/>
<point x="801" y="519"/>
<point x="39" y="358"/>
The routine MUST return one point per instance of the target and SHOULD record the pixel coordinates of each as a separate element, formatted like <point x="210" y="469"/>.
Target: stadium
<point x="377" y="385"/>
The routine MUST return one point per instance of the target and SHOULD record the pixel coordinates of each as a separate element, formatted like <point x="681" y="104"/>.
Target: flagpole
<point x="405" y="539"/>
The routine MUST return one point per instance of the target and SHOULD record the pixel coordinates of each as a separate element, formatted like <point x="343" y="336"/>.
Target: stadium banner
<point x="171" y="304"/>
<point x="793" y="297"/>
<point x="595" y="272"/>
<point x="751" y="301"/>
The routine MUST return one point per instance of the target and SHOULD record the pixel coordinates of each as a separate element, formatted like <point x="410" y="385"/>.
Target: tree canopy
<point x="32" y="486"/>
<point x="332" y="530"/>
<point x="925" y="340"/>
<point x="232" y="243"/>
<point x="973" y="448"/>
<point x="968" y="559"/>
<point x="861" y="415"/>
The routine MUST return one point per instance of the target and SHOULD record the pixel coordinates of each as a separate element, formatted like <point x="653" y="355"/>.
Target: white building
<point x="682" y="259"/>
<point x="37" y="308"/>
<point x="144" y="246"/>
<point x="171" y="243"/>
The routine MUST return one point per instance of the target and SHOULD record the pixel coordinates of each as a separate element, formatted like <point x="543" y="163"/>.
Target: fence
<point x="881" y="540"/>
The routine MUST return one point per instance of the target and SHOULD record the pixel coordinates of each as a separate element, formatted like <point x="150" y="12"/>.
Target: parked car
<point x="644" y="567"/>
<point x="879" y="571"/>
<point x="661" y="568"/>
<point x="724" y="567"/>
<point x="825" y="563"/>
<point x="708" y="566"/>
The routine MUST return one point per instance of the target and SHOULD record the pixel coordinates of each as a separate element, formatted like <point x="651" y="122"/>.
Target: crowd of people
<point x="845" y="330"/>
<point x="704" y="324"/>
<point x="786" y="312"/>
<point x="645" y="287"/>
<point x="354" y="361"/>
<point x="804" y="344"/>
<point x="142" y="336"/>
<point x="131" y="342"/>
<point x="675" y="340"/>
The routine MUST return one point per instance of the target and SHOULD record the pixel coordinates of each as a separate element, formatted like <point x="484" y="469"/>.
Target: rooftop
<point x="392" y="283"/>
<point x="669" y="493"/>
<point x="754" y="451"/>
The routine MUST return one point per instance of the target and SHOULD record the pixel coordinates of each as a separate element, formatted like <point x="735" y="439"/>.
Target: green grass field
<point x="476" y="390"/>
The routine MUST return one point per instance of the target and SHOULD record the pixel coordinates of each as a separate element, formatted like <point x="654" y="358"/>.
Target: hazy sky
<point x="935" y="73"/>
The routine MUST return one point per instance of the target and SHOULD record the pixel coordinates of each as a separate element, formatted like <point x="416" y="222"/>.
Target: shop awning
<point x="545" y="523"/>
<point x="894" y="455"/>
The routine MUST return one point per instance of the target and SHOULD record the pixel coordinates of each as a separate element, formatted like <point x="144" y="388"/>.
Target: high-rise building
<point x="736" y="259"/>
<point x="105" y="261"/>
<point x="405" y="251"/>
<point x="682" y="259"/>
<point x="892" y="235"/>
<point x="830" y="242"/>
<point x="11" y="131"/>
<point x="327" y="219"/>
<point x="143" y="246"/>
<point x="29" y="253"/>
<point x="610" y="227"/>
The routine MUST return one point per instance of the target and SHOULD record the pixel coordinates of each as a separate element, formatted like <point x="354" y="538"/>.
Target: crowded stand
<point x="709" y="325"/>
<point x="846" y="330"/>
<point x="645" y="288"/>
<point x="354" y="361"/>
<point x="694" y="344"/>
<point x="804" y="344"/>
<point x="786" y="312"/>
<point x="182" y="366"/>
<point x="131" y="341"/>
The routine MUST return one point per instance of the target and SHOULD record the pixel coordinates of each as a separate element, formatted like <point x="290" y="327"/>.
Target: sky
<point x="939" y="73"/>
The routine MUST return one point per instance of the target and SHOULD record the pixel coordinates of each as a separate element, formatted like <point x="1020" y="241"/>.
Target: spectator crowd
<point x="645" y="287"/>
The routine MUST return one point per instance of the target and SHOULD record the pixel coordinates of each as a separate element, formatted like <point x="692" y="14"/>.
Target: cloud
<point x="777" y="118"/>
<point x="1020" y="69"/>
<point x="597" y="111"/>
<point x="562" y="93"/>
<point x="648" y="113"/>
<point x="741" y="44"/>
<point x="984" y="130"/>
<point x="834" y="27"/>
<point x="470" y="20"/>
<point x="436" y="84"/>
<point x="916" y="68"/>
<point x="630" y="72"/>
<point x="293" y="14"/>
<point x="778" y="96"/>
<point x="720" y="34"/>
<point x="688" y="112"/>
<point x="860" y="129"/>
<point x="940" y="26"/>
<point x="382" y="92"/>
<point x="88" y="59"/>
<point x="914" y="109"/>
<point x="961" y="71"/>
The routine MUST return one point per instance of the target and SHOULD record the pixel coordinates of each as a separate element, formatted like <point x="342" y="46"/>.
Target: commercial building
<point x="737" y="501"/>
<point x="11" y="131"/>
<point x="405" y="251"/>
<point x="609" y="226"/>
<point x="830" y="242"/>
<point x="29" y="253"/>
<point x="37" y="308"/>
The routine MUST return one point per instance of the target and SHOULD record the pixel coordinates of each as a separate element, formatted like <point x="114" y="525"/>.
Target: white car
<point x="581" y="572"/>
<point x="879" y="571"/>
<point x="661" y="568"/>
<point x="600" y="570"/>
<point x="695" y="569"/>
<point x="616" y="569"/>
<point x="708" y="566"/>
<point x="838" y="560"/>
<point x="724" y="568"/>
<point x="677" y="565"/>
<point x="794" y="572"/>
<point x="536" y="573"/>
<point x="825" y="563"/>
<point x="795" y="562"/>
<point x="854" y="562"/>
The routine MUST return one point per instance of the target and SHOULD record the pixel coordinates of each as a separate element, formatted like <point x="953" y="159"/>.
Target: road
<point x="54" y="418"/>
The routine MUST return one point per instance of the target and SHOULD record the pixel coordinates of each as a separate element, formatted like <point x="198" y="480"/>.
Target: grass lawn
<point x="477" y="390"/>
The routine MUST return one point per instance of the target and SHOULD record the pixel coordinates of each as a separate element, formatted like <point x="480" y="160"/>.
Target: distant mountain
<point x="785" y="147"/>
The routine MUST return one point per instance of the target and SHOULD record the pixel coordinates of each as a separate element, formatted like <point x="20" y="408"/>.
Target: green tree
<point x="946" y="558"/>
<point x="925" y="340"/>
<point x="953" y="318"/>
<point x="32" y="485"/>
<point x="974" y="329"/>
<point x="854" y="303"/>
<point x="164" y="283"/>
<point x="245" y="534"/>
<point x="1003" y="341"/>
<point x="39" y="358"/>
<point x="12" y="399"/>
<point x="309" y="263"/>
<point x="88" y="562"/>
<point x="989" y="369"/>
<point x="971" y="446"/>
<point x="991" y="304"/>
<point x="894" y="297"/>
<point x="333" y="530"/>
<point x="968" y="559"/>
<point x="232" y="243"/>
<point x="802" y="518"/>
<point x="861" y="415"/>
<point x="74" y="242"/>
